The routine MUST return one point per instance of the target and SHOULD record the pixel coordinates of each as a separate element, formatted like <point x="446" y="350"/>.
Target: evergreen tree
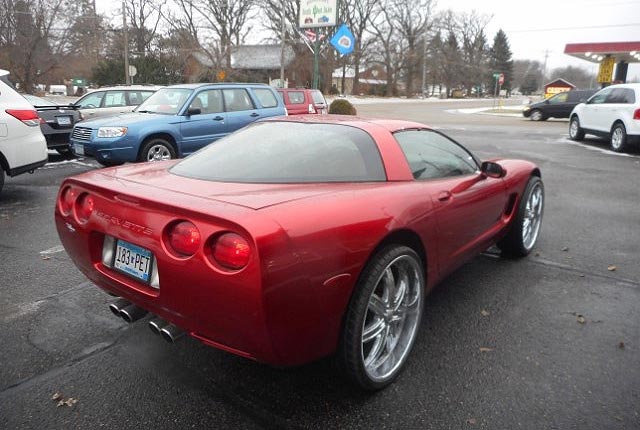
<point x="501" y="60"/>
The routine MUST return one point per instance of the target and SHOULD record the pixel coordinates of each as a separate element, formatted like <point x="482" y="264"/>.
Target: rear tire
<point x="157" y="149"/>
<point x="525" y="227"/>
<point x="618" y="139"/>
<point x="575" y="132"/>
<point x="383" y="318"/>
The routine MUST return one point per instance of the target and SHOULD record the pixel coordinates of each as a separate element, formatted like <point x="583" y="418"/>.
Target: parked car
<point x="298" y="237"/>
<point x="57" y="122"/>
<point x="22" y="146"/>
<point x="174" y="122"/>
<point x="612" y="113"/>
<point x="557" y="106"/>
<point x="300" y="101"/>
<point x="111" y="101"/>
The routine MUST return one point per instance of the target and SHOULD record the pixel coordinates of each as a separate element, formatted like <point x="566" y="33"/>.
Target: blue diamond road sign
<point x="343" y="40"/>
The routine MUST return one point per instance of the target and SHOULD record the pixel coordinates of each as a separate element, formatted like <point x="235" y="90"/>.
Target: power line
<point x="586" y="27"/>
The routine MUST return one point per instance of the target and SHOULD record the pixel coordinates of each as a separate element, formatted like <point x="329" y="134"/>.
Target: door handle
<point x="218" y="118"/>
<point x="443" y="196"/>
<point x="254" y="114"/>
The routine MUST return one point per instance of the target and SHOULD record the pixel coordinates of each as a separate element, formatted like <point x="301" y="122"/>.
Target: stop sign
<point x="501" y="79"/>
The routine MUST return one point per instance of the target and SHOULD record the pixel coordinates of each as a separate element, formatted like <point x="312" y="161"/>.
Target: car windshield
<point x="167" y="101"/>
<point x="288" y="152"/>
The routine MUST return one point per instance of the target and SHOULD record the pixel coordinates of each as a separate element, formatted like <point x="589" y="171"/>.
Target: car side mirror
<point x="492" y="170"/>
<point x="194" y="111"/>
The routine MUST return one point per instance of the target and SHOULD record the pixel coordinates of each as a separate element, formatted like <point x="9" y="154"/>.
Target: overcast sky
<point x="536" y="28"/>
<point x="539" y="26"/>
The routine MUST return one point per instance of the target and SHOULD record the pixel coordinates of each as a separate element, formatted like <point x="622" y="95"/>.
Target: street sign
<point x="317" y="13"/>
<point x="79" y="82"/>
<point x="501" y="79"/>
<point x="133" y="71"/>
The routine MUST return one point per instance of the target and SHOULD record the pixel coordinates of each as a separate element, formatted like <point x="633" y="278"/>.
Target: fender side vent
<point x="511" y="203"/>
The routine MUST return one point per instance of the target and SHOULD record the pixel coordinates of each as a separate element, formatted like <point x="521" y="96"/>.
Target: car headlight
<point x="526" y="108"/>
<point x="112" y="131"/>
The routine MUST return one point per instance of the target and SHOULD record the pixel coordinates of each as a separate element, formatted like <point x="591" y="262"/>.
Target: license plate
<point x="63" y="120"/>
<point x="133" y="260"/>
<point x="78" y="148"/>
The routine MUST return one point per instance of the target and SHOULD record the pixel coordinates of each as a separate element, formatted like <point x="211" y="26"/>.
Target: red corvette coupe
<point x="297" y="238"/>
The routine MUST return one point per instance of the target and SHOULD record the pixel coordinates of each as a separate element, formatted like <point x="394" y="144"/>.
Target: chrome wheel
<point x="618" y="136"/>
<point x="391" y="318"/>
<point x="532" y="217"/>
<point x="158" y="152"/>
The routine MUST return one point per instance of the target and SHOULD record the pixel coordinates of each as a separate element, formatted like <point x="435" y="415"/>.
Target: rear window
<point x="265" y="97"/>
<point x="296" y="97"/>
<point x="288" y="152"/>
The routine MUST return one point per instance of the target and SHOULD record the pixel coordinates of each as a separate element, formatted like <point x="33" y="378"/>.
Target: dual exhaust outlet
<point x="132" y="313"/>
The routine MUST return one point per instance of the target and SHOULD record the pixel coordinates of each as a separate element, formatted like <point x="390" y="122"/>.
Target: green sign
<point x="79" y="82"/>
<point x="496" y="75"/>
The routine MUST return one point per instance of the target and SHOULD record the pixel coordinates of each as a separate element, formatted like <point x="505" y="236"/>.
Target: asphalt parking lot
<point x="548" y="342"/>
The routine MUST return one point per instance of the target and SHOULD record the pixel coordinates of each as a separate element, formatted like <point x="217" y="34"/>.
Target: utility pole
<point x="127" y="79"/>
<point x="282" y="36"/>
<point x="544" y="67"/>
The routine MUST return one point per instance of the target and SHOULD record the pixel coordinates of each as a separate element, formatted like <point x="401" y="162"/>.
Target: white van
<point x="23" y="148"/>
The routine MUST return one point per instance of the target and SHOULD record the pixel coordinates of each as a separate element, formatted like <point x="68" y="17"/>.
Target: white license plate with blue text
<point x="78" y="148"/>
<point x="63" y="120"/>
<point x="133" y="260"/>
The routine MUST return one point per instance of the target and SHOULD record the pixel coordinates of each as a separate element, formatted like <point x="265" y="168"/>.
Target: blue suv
<point x="174" y="122"/>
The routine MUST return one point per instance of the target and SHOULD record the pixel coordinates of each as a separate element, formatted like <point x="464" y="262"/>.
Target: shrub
<point x="342" y="107"/>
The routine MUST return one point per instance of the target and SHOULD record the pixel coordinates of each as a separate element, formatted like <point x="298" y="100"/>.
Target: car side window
<point x="296" y="97"/>
<point x="559" y="98"/>
<point x="114" y="99"/>
<point x="629" y="96"/>
<point x="600" y="97"/>
<point x="92" y="100"/>
<point x="432" y="155"/>
<point x="265" y="97"/>
<point x="134" y="98"/>
<point x="145" y="95"/>
<point x="237" y="99"/>
<point x="208" y="101"/>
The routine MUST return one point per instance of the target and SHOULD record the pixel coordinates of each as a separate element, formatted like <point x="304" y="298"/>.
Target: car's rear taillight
<point x="183" y="238"/>
<point x="84" y="207"/>
<point x="311" y="108"/>
<point x="231" y="251"/>
<point x="67" y="198"/>
<point x="636" y="114"/>
<point x="28" y="116"/>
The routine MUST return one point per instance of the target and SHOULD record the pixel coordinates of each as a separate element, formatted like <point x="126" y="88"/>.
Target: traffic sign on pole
<point x="501" y="78"/>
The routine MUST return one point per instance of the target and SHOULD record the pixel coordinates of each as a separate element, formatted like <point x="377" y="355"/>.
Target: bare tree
<point x="388" y="44"/>
<point x="143" y="17"/>
<point x="413" y="22"/>
<point x="357" y="14"/>
<point x="32" y="33"/>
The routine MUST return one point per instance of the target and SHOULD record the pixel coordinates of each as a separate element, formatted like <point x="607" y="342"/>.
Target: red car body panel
<point x="309" y="242"/>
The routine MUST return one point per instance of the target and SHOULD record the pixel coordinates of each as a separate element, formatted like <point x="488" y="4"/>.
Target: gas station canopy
<point x="629" y="52"/>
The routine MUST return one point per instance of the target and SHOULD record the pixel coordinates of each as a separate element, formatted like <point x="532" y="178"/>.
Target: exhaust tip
<point x="116" y="306"/>
<point x="156" y="325"/>
<point x="171" y="333"/>
<point x="132" y="313"/>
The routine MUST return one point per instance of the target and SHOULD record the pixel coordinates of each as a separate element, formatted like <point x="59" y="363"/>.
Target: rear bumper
<point x="28" y="168"/>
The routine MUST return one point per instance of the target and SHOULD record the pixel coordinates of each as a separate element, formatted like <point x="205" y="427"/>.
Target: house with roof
<point x="249" y="63"/>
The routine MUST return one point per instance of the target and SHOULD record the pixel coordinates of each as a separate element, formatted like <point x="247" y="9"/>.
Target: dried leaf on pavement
<point x="565" y="249"/>
<point x="471" y="420"/>
<point x="485" y="349"/>
<point x="56" y="396"/>
<point x="581" y="319"/>
<point x="621" y="345"/>
<point x="612" y="268"/>
<point x="484" y="313"/>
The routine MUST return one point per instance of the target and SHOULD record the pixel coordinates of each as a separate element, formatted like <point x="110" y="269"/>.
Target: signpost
<point x="317" y="14"/>
<point x="499" y="78"/>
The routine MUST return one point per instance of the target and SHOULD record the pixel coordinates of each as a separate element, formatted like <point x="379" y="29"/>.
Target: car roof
<point x="216" y="84"/>
<point x="392" y="125"/>
<point x="126" y="87"/>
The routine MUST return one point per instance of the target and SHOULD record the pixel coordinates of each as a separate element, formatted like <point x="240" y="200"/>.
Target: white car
<point x="612" y="113"/>
<point x="113" y="100"/>
<point x="23" y="148"/>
